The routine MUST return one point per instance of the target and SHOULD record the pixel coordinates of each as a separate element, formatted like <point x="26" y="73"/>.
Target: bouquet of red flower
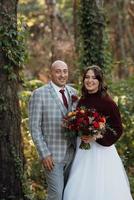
<point x="84" y="121"/>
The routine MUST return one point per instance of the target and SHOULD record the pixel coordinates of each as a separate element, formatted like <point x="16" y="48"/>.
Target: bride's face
<point x="91" y="83"/>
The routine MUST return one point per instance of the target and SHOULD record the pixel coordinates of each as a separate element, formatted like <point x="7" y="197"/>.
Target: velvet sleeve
<point x="114" y="121"/>
<point x="80" y="103"/>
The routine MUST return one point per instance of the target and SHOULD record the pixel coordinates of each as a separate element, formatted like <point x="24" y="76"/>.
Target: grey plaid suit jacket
<point x="46" y="112"/>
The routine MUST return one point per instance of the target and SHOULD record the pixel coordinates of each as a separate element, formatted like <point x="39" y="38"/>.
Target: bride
<point x="98" y="173"/>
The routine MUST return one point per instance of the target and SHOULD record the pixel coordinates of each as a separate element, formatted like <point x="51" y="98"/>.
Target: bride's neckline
<point x="94" y="94"/>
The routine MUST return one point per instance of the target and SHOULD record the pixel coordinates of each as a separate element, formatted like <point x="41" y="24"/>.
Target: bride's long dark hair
<point x="99" y="76"/>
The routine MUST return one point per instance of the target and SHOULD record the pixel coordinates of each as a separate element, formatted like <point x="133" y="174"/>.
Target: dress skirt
<point x="97" y="174"/>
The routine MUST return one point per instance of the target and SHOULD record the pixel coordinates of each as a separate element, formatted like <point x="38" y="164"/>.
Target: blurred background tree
<point x="91" y="26"/>
<point x="11" y="59"/>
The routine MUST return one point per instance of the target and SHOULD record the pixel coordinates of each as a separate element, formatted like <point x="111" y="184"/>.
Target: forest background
<point x="81" y="33"/>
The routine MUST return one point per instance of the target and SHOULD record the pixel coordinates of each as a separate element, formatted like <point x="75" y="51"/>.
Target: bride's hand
<point x="87" y="138"/>
<point x="98" y="136"/>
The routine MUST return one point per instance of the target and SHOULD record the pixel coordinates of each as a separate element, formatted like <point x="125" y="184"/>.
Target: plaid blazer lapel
<point x="57" y="100"/>
<point x="71" y="92"/>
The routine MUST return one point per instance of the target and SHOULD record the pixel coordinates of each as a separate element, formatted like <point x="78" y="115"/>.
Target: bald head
<point x="59" y="63"/>
<point x="59" y="73"/>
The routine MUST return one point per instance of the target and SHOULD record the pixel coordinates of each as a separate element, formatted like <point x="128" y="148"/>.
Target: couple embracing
<point x="73" y="173"/>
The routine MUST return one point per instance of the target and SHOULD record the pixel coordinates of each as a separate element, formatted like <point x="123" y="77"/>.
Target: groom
<point x="48" y="105"/>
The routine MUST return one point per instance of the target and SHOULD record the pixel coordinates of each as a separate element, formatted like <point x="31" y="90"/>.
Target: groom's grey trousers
<point x="57" y="178"/>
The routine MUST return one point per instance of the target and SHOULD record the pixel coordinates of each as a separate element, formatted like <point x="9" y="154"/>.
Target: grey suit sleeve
<point x="35" y="118"/>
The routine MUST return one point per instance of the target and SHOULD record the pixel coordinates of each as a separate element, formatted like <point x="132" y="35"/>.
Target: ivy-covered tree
<point x="91" y="28"/>
<point x="11" y="156"/>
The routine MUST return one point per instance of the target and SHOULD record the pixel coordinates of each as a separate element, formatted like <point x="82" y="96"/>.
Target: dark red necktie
<point x="64" y="98"/>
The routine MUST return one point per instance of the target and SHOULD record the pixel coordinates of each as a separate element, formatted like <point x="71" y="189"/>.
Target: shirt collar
<point x="56" y="87"/>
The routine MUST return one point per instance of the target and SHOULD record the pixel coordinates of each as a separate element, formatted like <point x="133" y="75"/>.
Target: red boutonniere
<point x="74" y="98"/>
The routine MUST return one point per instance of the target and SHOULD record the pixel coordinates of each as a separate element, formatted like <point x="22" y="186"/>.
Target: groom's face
<point x="59" y="73"/>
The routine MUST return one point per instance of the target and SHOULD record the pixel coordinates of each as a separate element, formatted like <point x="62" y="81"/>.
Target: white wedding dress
<point x="97" y="174"/>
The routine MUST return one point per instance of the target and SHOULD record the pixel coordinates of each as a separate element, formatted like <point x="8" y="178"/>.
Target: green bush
<point x="123" y="94"/>
<point x="34" y="185"/>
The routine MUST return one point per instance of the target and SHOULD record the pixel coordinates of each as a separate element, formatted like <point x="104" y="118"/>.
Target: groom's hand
<point x="48" y="163"/>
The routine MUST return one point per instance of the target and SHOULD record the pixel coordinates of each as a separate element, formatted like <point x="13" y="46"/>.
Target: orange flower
<point x="82" y="111"/>
<point x="70" y="114"/>
<point x="103" y="119"/>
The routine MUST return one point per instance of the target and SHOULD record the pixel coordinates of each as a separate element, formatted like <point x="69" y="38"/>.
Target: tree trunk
<point x="122" y="31"/>
<point x="91" y="27"/>
<point x="75" y="21"/>
<point x="99" y="3"/>
<point x="121" y="40"/>
<point x="11" y="169"/>
<point x="51" y="15"/>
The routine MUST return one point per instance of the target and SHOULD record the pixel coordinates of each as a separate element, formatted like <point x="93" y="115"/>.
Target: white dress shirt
<point x="57" y="90"/>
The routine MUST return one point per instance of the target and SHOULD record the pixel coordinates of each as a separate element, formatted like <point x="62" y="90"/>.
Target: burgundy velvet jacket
<point x="107" y="107"/>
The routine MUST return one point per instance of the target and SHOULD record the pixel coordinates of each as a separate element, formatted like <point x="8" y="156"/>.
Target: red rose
<point x="69" y="127"/>
<point x="96" y="125"/>
<point x="86" y="122"/>
<point x="80" y="120"/>
<point x="95" y="115"/>
<point x="74" y="98"/>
